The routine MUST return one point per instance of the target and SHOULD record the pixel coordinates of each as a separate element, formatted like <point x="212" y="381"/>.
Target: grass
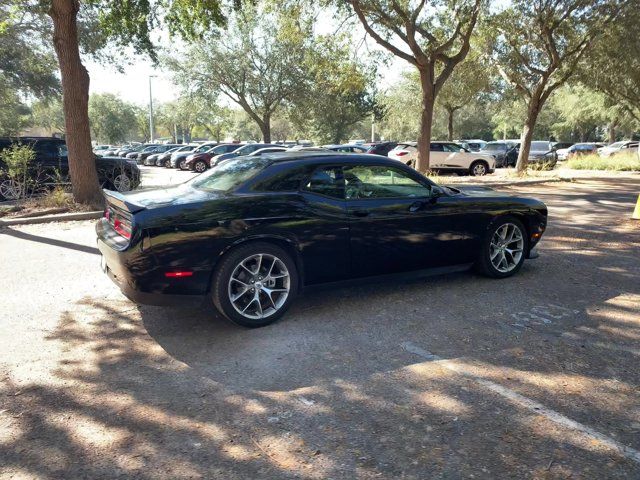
<point x="628" y="162"/>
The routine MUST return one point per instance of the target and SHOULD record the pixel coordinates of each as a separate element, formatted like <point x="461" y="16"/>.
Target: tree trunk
<point x="612" y="131"/>
<point x="450" y="112"/>
<point x="527" y="134"/>
<point x="426" y="121"/>
<point x="265" y="128"/>
<point x="75" y="100"/>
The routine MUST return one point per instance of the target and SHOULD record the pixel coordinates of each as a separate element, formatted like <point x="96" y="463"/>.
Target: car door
<point x="323" y="229"/>
<point x="397" y="222"/>
<point x="438" y="155"/>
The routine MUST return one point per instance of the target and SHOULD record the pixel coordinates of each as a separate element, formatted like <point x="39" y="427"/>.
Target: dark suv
<point x="51" y="166"/>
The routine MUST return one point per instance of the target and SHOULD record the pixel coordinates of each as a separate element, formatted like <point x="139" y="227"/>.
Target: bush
<point x="17" y="159"/>
<point x="626" y="162"/>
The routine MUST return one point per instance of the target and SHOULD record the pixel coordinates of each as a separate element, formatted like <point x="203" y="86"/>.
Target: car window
<point x="230" y="174"/>
<point x="495" y="147"/>
<point x="326" y="181"/>
<point x="364" y="181"/>
<point x="450" y="147"/>
<point x="288" y="180"/>
<point x="437" y="147"/>
<point x="540" y="146"/>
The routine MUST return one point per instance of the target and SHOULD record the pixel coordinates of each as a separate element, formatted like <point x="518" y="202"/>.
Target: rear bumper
<point x="141" y="281"/>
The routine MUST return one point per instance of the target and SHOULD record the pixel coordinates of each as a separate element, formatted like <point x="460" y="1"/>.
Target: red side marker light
<point x="185" y="273"/>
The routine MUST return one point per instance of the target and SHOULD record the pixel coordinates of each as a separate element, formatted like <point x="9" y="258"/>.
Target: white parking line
<point x="529" y="404"/>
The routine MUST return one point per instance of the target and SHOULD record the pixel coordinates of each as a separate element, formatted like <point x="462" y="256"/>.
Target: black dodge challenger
<point x="253" y="232"/>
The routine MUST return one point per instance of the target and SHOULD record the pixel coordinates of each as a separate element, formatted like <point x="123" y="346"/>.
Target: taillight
<point x="400" y="154"/>
<point x="123" y="227"/>
<point x="180" y="274"/>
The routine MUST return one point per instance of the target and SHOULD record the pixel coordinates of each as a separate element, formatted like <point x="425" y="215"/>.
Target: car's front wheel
<point x="200" y="166"/>
<point x="503" y="248"/>
<point x="182" y="165"/>
<point x="254" y="284"/>
<point x="478" y="168"/>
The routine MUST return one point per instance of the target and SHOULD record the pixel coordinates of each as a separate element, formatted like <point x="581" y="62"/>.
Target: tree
<point x="112" y="119"/>
<point x="618" y="78"/>
<point x="470" y="79"/>
<point x="14" y="114"/>
<point x="256" y="62"/>
<point x="93" y="26"/>
<point x="47" y="113"/>
<point x="339" y="91"/>
<point x="434" y="40"/>
<point x="401" y="108"/>
<point x="539" y="46"/>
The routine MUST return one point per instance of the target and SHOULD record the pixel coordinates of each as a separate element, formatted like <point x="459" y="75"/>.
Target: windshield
<point x="540" y="146"/>
<point x="202" y="148"/>
<point x="230" y="174"/>
<point x="494" y="147"/>
<point x="617" y="145"/>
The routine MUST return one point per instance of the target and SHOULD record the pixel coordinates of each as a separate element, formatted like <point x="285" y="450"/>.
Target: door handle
<point x="361" y="213"/>
<point x="415" y="206"/>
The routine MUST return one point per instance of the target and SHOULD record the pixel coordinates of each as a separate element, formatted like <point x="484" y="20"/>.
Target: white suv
<point x="447" y="157"/>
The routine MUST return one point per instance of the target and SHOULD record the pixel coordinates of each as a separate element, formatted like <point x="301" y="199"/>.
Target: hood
<point x="162" y="197"/>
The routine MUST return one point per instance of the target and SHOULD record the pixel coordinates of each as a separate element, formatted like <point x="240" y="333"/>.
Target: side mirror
<point x="436" y="192"/>
<point x="462" y="150"/>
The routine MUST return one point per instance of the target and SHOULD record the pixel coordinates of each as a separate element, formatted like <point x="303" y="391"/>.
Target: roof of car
<point x="328" y="156"/>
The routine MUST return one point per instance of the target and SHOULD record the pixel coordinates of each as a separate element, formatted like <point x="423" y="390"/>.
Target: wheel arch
<point x="287" y="244"/>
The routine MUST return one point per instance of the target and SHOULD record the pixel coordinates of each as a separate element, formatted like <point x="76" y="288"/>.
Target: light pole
<point x="150" y="110"/>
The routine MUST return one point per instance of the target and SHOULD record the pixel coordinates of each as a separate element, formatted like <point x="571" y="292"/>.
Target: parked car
<point x="179" y="160"/>
<point x="505" y="152"/>
<point x="347" y="148"/>
<point x="380" y="148"/>
<point x="562" y="149"/>
<point x="406" y="152"/>
<point x="147" y="147"/>
<point x="100" y="149"/>
<point x="631" y="147"/>
<point x="265" y="150"/>
<point x="542" y="153"/>
<point x="144" y="154"/>
<point x="51" y="166"/>
<point x="201" y="161"/>
<point x="243" y="150"/>
<point x="163" y="158"/>
<point x="253" y="232"/>
<point x="125" y="150"/>
<point x="221" y="150"/>
<point x="472" y="145"/>
<point x="609" y="150"/>
<point x="582" y="149"/>
<point x="447" y="157"/>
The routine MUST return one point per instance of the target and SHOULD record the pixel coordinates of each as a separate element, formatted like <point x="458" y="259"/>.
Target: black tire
<point x="484" y="264"/>
<point x="227" y="266"/>
<point x="200" y="166"/>
<point x="478" y="168"/>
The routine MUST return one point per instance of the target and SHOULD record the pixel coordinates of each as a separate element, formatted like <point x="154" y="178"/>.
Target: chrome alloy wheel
<point x="122" y="183"/>
<point x="200" y="167"/>
<point x="259" y="286"/>
<point x="10" y="189"/>
<point x="506" y="247"/>
<point x="479" y="169"/>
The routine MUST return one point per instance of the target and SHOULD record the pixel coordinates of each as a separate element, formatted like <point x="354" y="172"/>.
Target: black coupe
<point x="253" y="232"/>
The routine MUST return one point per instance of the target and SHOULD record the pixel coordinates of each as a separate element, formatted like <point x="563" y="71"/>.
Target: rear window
<point x="230" y="174"/>
<point x="540" y="146"/>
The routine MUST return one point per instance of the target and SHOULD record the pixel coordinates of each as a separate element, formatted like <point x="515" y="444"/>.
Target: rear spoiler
<point x="122" y="202"/>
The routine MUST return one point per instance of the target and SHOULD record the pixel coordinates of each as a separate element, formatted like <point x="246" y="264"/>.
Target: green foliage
<point x="620" y="163"/>
<point x="14" y="114"/>
<point x="112" y="120"/>
<point x="17" y="159"/>
<point x="401" y="106"/>
<point x="339" y="92"/>
<point x="48" y="114"/>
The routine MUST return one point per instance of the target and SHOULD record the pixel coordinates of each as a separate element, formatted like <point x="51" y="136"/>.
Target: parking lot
<point x="453" y="376"/>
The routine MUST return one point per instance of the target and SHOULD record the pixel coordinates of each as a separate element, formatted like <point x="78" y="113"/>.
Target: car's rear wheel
<point x="503" y="249"/>
<point x="10" y="189"/>
<point x="479" y="168"/>
<point x="254" y="284"/>
<point x="200" y="166"/>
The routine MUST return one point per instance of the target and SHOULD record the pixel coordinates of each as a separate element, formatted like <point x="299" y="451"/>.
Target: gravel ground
<point x="447" y="377"/>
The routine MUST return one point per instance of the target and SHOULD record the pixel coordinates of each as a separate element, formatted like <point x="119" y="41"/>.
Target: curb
<point x="62" y="217"/>
<point x="511" y="183"/>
